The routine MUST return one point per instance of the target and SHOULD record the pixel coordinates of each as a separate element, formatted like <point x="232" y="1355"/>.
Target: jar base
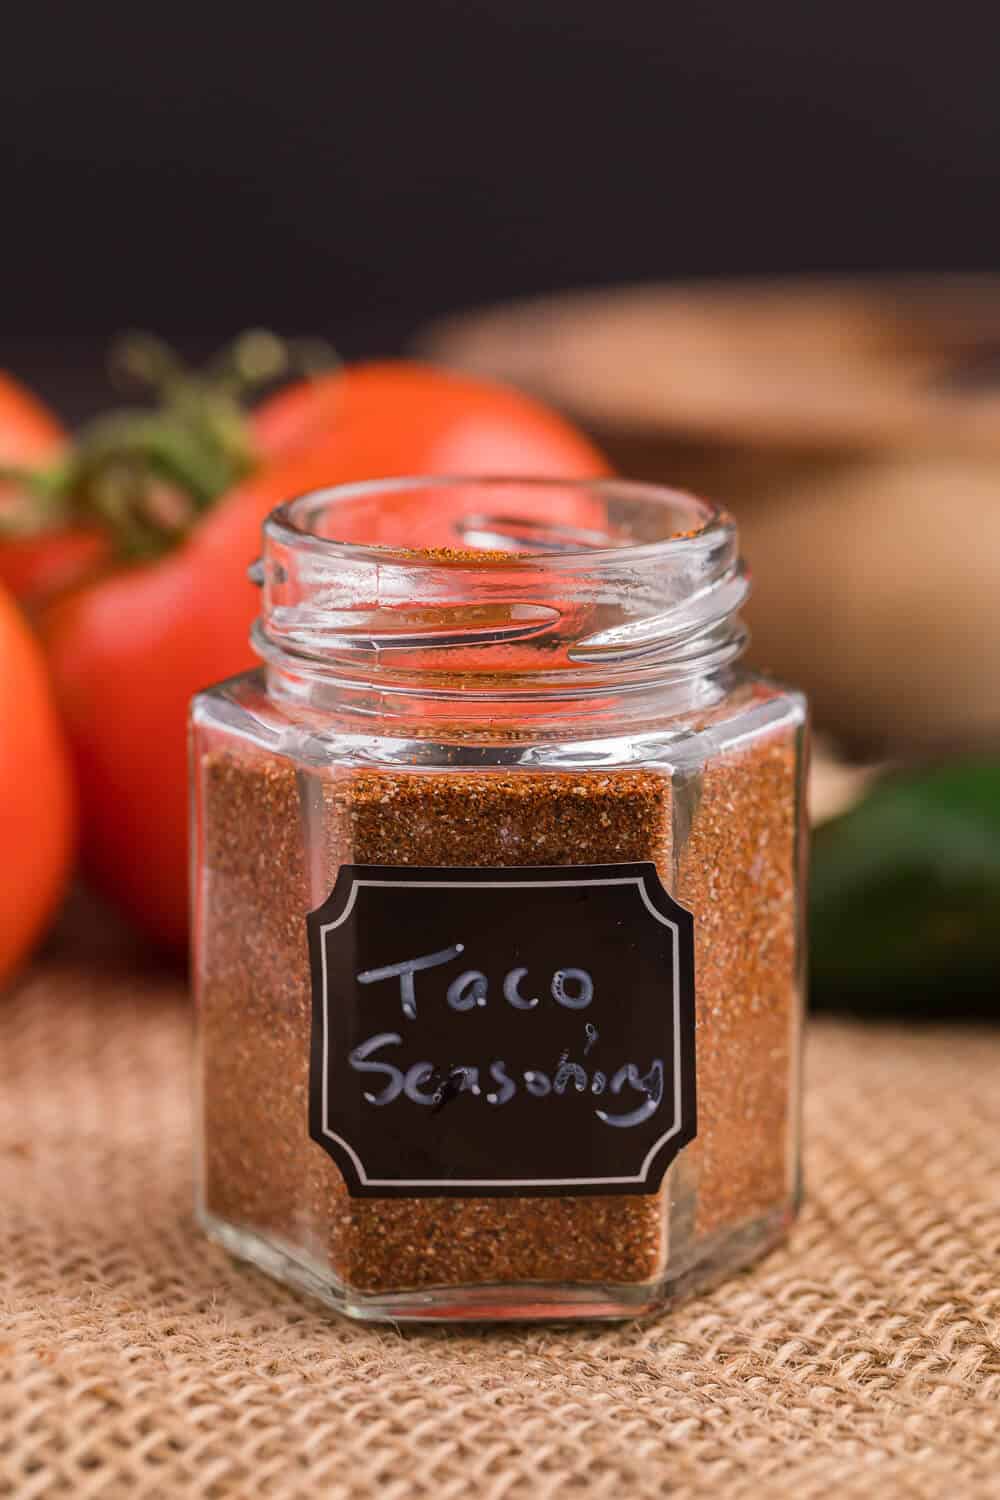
<point x="524" y="1302"/>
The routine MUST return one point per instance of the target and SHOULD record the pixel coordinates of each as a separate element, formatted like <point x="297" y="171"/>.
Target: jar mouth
<point x="500" y="521"/>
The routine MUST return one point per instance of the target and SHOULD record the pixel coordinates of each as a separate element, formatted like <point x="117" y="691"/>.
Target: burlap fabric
<point x="137" y="1360"/>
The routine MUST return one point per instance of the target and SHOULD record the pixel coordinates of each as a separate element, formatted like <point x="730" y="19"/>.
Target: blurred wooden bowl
<point x="731" y="388"/>
<point x="854" y="425"/>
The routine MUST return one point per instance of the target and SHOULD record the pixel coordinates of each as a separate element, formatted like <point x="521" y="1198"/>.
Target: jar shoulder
<point x="241" y="713"/>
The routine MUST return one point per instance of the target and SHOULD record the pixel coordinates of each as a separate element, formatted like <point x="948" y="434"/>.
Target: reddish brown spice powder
<point x="724" y="844"/>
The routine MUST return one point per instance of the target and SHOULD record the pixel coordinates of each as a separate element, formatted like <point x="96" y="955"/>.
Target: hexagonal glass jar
<point x="497" y="885"/>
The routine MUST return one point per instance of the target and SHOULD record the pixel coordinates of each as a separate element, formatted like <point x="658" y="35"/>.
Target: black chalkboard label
<point x="490" y="1032"/>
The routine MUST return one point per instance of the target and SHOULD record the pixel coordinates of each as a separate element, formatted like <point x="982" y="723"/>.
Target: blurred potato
<point x="877" y="589"/>
<point x="835" y="785"/>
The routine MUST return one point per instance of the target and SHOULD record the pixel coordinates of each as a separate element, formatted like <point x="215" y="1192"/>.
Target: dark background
<point x="355" y="168"/>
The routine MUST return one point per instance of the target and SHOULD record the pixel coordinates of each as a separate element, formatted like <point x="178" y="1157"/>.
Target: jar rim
<point x="287" y="523"/>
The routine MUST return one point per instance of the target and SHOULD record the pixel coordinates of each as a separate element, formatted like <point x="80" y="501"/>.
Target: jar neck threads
<point x="491" y="598"/>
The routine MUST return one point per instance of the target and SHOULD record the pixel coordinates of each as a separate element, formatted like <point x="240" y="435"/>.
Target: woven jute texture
<point x="137" y="1360"/>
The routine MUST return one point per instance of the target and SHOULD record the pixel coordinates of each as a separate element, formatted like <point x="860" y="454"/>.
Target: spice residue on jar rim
<point x="503" y="556"/>
<point x="495" y="522"/>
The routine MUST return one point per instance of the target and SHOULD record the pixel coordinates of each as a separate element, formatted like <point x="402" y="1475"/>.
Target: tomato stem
<point x="39" y="503"/>
<point x="144" y="475"/>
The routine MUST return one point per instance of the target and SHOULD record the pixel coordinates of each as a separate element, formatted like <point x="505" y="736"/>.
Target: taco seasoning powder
<point x="619" y="1118"/>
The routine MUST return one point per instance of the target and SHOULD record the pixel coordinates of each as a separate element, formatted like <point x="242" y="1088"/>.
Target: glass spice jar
<point x="498" y="870"/>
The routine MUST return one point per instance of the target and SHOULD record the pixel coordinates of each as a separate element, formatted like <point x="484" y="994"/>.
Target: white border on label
<point x="507" y="1182"/>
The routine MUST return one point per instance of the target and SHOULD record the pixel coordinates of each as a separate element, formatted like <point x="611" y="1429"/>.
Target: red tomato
<point x="31" y="436"/>
<point x="394" y="418"/>
<point x="36" y="794"/>
<point x="129" y="651"/>
<point x="29" y="432"/>
<point x="399" y="414"/>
